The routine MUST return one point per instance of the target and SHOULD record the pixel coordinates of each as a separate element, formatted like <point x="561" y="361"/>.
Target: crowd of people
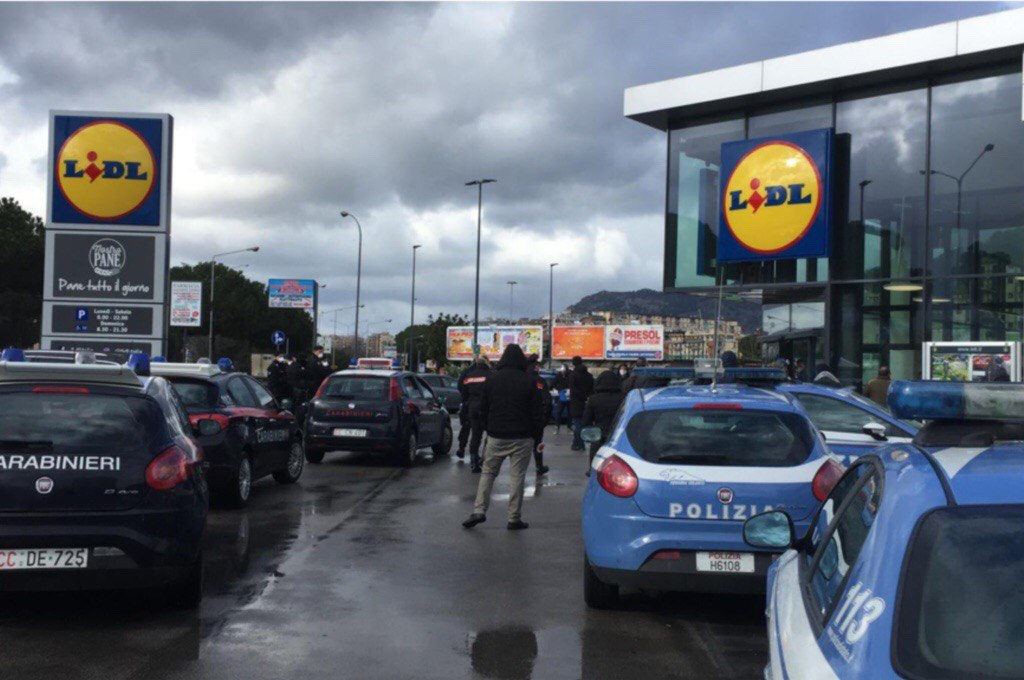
<point x="297" y="378"/>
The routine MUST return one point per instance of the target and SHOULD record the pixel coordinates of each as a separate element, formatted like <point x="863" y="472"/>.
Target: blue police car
<point x="683" y="467"/>
<point x="914" y="562"/>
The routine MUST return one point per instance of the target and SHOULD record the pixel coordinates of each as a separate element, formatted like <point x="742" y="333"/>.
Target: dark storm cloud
<point x="286" y="114"/>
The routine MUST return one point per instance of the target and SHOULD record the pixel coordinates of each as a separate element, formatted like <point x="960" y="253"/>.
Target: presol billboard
<point x="635" y="342"/>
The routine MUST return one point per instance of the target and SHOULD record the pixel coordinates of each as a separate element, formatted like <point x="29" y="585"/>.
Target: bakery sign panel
<point x="105" y="266"/>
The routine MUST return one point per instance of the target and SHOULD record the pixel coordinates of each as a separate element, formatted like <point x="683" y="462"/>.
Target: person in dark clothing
<point x="471" y="387"/>
<point x="581" y="384"/>
<point x="602" y="407"/>
<point x="317" y="369"/>
<point x="635" y="380"/>
<point x="533" y="370"/>
<point x="562" y="399"/>
<point x="729" y="359"/>
<point x="513" y="410"/>
<point x="277" y="381"/>
<point x="996" y="371"/>
<point x="295" y="376"/>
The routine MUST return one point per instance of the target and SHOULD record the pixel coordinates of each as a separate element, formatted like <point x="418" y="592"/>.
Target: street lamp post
<point x="412" y="308"/>
<point x="213" y="281"/>
<point x="316" y="310"/>
<point x="359" y="272"/>
<point x="511" y="307"/>
<point x="551" y="312"/>
<point x="479" y="184"/>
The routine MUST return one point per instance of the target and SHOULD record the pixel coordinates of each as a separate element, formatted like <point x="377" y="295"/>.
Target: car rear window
<point x="195" y="393"/>
<point x="357" y="387"/>
<point x="961" y="612"/>
<point x="717" y="437"/>
<point x="74" y="420"/>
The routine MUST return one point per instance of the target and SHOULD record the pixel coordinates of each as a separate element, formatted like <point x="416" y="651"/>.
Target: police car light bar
<point x="35" y="372"/>
<point x="139" y="362"/>
<point x="935" y="400"/>
<point x="173" y="368"/>
<point x="754" y="374"/>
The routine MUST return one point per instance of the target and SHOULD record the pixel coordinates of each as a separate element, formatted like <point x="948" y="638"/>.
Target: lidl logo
<point x="108" y="170"/>
<point x="774" y="195"/>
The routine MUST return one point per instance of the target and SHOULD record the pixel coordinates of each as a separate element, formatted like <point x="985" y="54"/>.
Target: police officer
<point x="277" y="381"/>
<point x="533" y="370"/>
<point x="471" y="387"/>
<point x="295" y="375"/>
<point x="317" y="368"/>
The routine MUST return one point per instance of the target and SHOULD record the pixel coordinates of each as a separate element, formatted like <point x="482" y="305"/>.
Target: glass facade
<point x="926" y="194"/>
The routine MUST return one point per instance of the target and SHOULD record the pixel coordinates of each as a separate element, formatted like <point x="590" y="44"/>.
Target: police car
<point x="683" y="468"/>
<point x="914" y="563"/>
<point x="101" y="480"/>
<point x="248" y="435"/>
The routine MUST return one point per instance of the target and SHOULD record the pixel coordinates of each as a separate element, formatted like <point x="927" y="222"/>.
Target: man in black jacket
<point x="581" y="384"/>
<point x="277" y="381"/>
<point x="602" y="406"/>
<point x="513" y="411"/>
<point x="533" y="370"/>
<point x="634" y="380"/>
<point x="471" y="387"/>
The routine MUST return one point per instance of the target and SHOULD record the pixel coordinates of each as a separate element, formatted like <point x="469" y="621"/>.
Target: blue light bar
<point x="225" y="364"/>
<point x="12" y="354"/>
<point x="159" y="359"/>
<point x="665" y="371"/>
<point x="936" y="400"/>
<point x="139" y="363"/>
<point x="754" y="374"/>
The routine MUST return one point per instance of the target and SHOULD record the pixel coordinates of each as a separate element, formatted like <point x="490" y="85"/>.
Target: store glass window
<point x="880" y="231"/>
<point x="872" y="327"/>
<point x="695" y="157"/>
<point x="977" y="200"/>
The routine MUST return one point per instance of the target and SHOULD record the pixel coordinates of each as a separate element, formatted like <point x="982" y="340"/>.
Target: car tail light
<point x="169" y="469"/>
<point x="617" y="478"/>
<point x="60" y="390"/>
<point x="825" y="478"/>
<point x="719" y="406"/>
<point x="394" y="390"/>
<point x="320" y="390"/>
<point x="670" y="555"/>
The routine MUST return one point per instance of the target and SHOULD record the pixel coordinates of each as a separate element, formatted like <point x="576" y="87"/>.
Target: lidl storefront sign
<point x="109" y="169"/>
<point x="776" y="198"/>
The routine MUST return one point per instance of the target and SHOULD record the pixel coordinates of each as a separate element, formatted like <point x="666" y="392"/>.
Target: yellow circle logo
<point x="772" y="197"/>
<point x="106" y="170"/>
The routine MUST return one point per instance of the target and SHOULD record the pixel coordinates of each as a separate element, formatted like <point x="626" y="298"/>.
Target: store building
<point x="927" y="190"/>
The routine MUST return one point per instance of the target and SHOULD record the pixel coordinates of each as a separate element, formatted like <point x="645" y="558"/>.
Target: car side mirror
<point x="286" y="404"/>
<point x="591" y="435"/>
<point x="207" y="427"/>
<point x="772" y="529"/>
<point x="876" y="431"/>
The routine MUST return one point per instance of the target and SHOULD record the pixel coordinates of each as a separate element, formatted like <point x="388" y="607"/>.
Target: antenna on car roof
<point x="718" y="316"/>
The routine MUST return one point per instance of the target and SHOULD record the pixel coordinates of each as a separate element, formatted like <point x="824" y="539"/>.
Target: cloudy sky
<point x="286" y="114"/>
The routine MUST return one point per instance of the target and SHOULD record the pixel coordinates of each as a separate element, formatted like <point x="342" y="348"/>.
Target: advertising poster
<point x="635" y="342"/>
<point x="186" y="303"/>
<point x="583" y="341"/>
<point x="291" y="293"/>
<point x="967" y="362"/>
<point x="493" y="340"/>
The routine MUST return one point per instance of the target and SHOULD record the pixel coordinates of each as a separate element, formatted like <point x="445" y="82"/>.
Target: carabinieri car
<point x="914" y="563"/>
<point x="682" y="469"/>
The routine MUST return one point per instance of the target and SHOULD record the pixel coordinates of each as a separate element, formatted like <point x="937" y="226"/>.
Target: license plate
<point x="44" y="558"/>
<point x="342" y="432"/>
<point x="725" y="562"/>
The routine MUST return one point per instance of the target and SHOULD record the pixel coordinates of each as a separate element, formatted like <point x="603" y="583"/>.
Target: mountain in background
<point x="654" y="303"/>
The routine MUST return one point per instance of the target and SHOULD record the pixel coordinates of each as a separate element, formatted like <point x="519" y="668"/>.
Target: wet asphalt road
<point x="362" y="571"/>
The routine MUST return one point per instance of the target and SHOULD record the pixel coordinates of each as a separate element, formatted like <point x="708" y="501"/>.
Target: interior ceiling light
<point x="904" y="287"/>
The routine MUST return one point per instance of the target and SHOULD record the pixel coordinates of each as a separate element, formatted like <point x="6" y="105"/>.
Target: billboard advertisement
<point x="635" y="342"/>
<point x="970" y="361"/>
<point x="291" y="293"/>
<point x="105" y="266"/>
<point x="186" y="303"/>
<point x="583" y="341"/>
<point x="493" y="340"/>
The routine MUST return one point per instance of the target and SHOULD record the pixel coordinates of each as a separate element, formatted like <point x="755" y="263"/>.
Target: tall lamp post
<point x="551" y="313"/>
<point x="316" y="311"/>
<point x="213" y="281"/>
<point x="479" y="184"/>
<point x="412" y="308"/>
<point x="359" y="272"/>
<point x="511" y="306"/>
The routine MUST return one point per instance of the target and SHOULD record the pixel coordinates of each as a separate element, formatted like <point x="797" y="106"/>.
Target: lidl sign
<point x="109" y="169"/>
<point x="776" y="198"/>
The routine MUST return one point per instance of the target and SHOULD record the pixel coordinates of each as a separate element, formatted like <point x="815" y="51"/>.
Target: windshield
<point x="962" y="609"/>
<point x="358" y="388"/>
<point x="857" y="396"/>
<point x="710" y="437"/>
<point x="71" y="420"/>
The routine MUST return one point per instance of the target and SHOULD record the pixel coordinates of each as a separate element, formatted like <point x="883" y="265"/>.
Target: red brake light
<point x="719" y="406"/>
<point x="670" y="555"/>
<point x="394" y="390"/>
<point x="61" y="390"/>
<point x="825" y="478"/>
<point x="617" y="478"/>
<point x="169" y="469"/>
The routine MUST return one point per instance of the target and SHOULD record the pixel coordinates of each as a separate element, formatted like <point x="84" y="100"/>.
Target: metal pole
<point x="412" y="310"/>
<point x="476" y="293"/>
<point x="511" y="306"/>
<point x="213" y="278"/>
<point x="551" y="313"/>
<point x="359" y="275"/>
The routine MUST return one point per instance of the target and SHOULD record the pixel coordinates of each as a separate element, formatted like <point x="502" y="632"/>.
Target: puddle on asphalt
<point x="519" y="653"/>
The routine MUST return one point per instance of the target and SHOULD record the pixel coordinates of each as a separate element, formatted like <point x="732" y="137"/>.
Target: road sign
<point x="278" y="338"/>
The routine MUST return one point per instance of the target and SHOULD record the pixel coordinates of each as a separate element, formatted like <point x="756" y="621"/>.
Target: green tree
<point x="21" y="286"/>
<point x="431" y="339"/>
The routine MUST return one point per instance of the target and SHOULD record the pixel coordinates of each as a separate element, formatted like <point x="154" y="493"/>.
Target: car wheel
<point x="237" y="492"/>
<point x="405" y="455"/>
<point x="313" y="456"/>
<point x="596" y="593"/>
<point x="189" y="593"/>
<point x="293" y="469"/>
<point x="444" y="447"/>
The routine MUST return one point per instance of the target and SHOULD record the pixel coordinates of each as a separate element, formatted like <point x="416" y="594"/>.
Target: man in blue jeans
<point x="581" y="384"/>
<point x="561" y="397"/>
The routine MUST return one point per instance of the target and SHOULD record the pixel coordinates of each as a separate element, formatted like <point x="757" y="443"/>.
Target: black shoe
<point x="460" y="454"/>
<point x="517" y="525"/>
<point x="476" y="469"/>
<point x="473" y="520"/>
<point x="588" y="473"/>
<point x="543" y="470"/>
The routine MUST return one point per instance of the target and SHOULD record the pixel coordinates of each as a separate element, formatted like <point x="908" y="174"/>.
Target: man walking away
<point x="471" y="387"/>
<point x="602" y="407"/>
<point x="635" y="380"/>
<point x="277" y="381"/>
<point x="533" y="370"/>
<point x="581" y="384"/>
<point x="562" y="398"/>
<point x="513" y="411"/>
<point x="878" y="388"/>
